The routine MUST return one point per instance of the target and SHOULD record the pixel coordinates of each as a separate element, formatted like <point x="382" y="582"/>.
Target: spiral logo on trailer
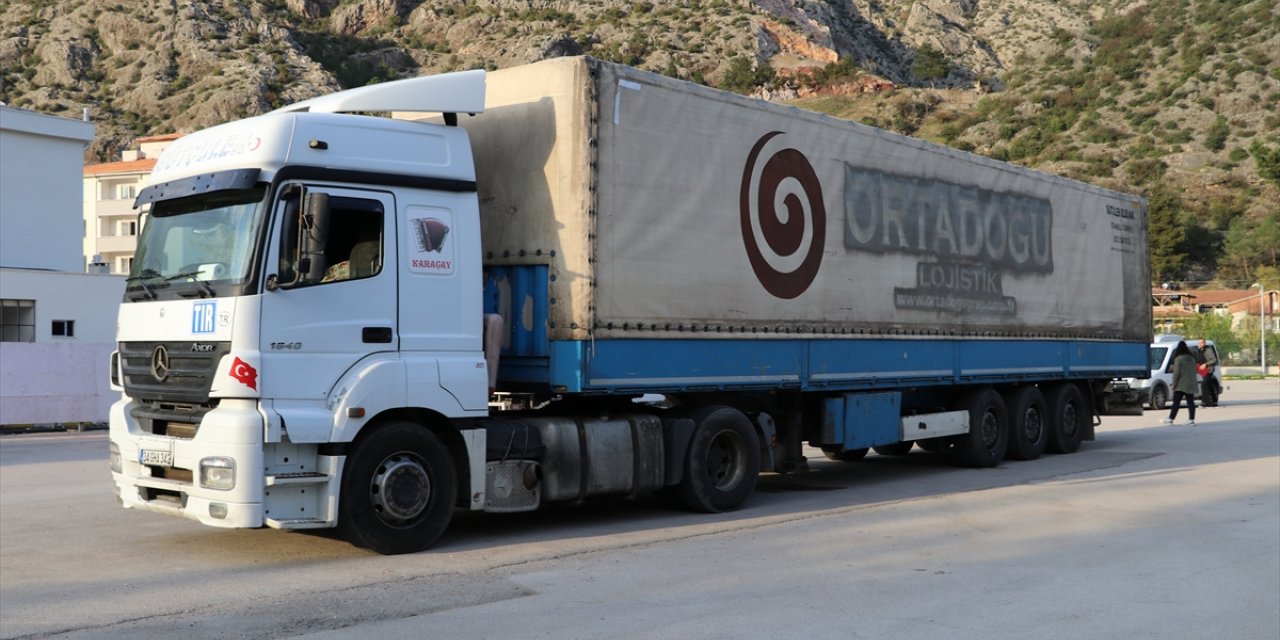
<point x="784" y="223"/>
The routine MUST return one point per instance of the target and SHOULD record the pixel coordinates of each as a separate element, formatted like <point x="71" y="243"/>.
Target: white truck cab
<point x="1157" y="389"/>
<point x="265" y="320"/>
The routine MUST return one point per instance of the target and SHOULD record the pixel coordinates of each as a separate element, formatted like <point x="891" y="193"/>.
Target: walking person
<point x="1207" y="358"/>
<point x="1184" y="383"/>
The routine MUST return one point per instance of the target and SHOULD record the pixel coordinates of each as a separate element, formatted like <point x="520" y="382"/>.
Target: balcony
<point x="117" y="244"/>
<point x="114" y="208"/>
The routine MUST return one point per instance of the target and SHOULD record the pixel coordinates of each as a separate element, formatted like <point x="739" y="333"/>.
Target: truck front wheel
<point x="723" y="463"/>
<point x="398" y="490"/>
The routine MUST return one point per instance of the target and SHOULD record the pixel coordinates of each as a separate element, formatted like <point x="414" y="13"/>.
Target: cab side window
<point x="355" y="246"/>
<point x="327" y="238"/>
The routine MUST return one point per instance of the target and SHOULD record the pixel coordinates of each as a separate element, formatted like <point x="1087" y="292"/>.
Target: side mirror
<point x="315" y="217"/>
<point x="303" y="239"/>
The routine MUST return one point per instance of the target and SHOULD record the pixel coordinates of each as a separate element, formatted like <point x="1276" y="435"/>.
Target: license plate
<point x="156" y="457"/>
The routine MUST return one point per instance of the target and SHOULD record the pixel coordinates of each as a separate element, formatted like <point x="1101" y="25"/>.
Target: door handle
<point x="376" y="335"/>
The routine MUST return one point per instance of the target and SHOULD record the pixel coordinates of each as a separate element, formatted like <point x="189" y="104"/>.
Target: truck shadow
<point x="875" y="480"/>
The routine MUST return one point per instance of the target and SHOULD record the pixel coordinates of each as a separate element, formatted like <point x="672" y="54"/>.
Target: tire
<point x="1028" y="423"/>
<point x="398" y="490"/>
<point x="1067" y="415"/>
<point x="1159" y="396"/>
<point x="895" y="449"/>
<point x="988" y="437"/>
<point x="723" y="463"/>
<point x="845" y="455"/>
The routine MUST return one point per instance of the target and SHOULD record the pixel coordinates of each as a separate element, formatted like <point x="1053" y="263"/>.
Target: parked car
<point x="1158" y="388"/>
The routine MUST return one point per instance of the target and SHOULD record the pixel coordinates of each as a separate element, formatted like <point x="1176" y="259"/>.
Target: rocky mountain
<point x="1177" y="99"/>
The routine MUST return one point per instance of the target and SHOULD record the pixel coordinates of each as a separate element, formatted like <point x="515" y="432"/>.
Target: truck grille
<point x="170" y="371"/>
<point x="169" y="419"/>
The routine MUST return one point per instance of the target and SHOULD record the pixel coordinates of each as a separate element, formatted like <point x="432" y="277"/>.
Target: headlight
<point x="114" y="455"/>
<point x="218" y="473"/>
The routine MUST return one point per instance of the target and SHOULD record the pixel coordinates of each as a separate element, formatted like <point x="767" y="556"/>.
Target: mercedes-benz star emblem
<point x="160" y="363"/>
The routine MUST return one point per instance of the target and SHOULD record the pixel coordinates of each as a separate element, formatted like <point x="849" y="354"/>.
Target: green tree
<point x="1167" y="236"/>
<point x="1250" y="243"/>
<point x="1267" y="160"/>
<point x="1216" y="138"/>
<point x="1217" y="328"/>
<point x="742" y="78"/>
<point x="930" y="64"/>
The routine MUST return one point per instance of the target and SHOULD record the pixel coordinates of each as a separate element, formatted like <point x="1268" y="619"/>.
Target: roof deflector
<point x="459" y="92"/>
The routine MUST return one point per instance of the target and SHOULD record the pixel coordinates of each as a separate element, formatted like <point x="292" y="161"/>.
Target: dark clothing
<point x="1184" y="384"/>
<point x="1178" y="395"/>
<point x="1209" y="386"/>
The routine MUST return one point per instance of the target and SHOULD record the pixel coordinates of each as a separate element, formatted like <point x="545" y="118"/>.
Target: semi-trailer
<point x="337" y="318"/>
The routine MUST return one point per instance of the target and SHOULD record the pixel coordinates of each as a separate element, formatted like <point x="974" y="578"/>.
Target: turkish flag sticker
<point x="240" y="370"/>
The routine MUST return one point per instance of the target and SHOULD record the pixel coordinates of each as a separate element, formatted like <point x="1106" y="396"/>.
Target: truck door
<point x="329" y="304"/>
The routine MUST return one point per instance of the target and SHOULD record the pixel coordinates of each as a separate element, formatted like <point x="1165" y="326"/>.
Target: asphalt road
<point x="1151" y="531"/>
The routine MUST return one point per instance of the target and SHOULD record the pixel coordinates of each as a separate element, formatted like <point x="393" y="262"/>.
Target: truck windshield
<point x="200" y="246"/>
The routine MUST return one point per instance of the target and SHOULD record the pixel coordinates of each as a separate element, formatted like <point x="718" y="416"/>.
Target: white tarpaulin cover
<point x="667" y="209"/>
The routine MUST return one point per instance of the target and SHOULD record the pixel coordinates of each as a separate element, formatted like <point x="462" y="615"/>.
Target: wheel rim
<point x="1069" y="420"/>
<point x="400" y="489"/>
<point x="990" y="429"/>
<point x="1161" y="398"/>
<point x="726" y="460"/>
<point x="1032" y="425"/>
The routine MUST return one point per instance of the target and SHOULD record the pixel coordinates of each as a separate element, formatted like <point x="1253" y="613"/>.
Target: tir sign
<point x="203" y="316"/>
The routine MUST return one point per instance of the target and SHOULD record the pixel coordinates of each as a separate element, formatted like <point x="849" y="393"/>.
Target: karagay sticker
<point x="432" y="242"/>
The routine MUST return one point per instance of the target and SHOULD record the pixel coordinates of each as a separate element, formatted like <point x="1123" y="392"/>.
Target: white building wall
<point x="41" y="161"/>
<point x="91" y="300"/>
<point x="60" y="379"/>
<point x="53" y="378"/>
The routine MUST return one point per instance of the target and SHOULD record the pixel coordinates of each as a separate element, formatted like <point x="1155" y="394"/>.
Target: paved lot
<point x="1152" y="531"/>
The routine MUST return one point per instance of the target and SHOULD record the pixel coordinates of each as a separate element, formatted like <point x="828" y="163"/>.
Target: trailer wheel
<point x="1159" y="396"/>
<point x="844" y="455"/>
<point x="398" y="490"/>
<point x="723" y="463"/>
<point x="988" y="437"/>
<point x="895" y="449"/>
<point x="1028" y="423"/>
<point x="1066" y="419"/>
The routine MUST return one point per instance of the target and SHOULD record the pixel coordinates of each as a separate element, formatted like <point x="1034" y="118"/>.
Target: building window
<point x="17" y="320"/>
<point x="125" y="265"/>
<point x="64" y="328"/>
<point x="125" y="192"/>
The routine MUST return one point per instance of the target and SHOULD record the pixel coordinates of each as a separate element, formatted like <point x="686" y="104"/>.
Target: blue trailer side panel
<point x="838" y="364"/>
<point x="845" y="363"/>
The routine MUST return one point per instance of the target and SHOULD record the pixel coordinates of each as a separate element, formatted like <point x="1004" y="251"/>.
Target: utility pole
<point x="1262" y="326"/>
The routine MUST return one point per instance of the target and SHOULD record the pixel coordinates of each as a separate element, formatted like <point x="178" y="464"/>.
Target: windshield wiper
<point x="141" y="279"/>
<point x="206" y="288"/>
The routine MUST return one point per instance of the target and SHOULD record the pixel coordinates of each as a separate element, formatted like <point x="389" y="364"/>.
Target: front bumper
<point x="233" y="429"/>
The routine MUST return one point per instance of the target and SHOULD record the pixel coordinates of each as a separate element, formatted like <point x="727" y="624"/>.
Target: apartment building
<point x="110" y="221"/>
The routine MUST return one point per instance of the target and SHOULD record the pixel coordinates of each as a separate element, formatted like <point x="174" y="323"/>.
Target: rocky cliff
<point x="1177" y="96"/>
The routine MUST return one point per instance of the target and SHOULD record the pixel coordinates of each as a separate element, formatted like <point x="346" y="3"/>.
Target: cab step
<point x="301" y="477"/>
<point x="297" y="523"/>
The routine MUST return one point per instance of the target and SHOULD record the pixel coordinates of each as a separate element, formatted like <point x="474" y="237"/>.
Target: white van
<point x="1159" y="387"/>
